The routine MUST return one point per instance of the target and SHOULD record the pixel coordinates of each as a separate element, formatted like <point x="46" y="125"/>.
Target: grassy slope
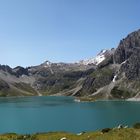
<point x="116" y="134"/>
<point x="17" y="89"/>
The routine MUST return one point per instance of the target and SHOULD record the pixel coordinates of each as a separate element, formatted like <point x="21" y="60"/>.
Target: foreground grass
<point x="114" y="134"/>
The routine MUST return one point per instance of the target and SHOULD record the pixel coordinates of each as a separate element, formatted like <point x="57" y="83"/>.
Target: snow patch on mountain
<point x="96" y="60"/>
<point x="114" y="79"/>
<point x="46" y="64"/>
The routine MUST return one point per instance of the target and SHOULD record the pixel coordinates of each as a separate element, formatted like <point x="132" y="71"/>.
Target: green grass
<point x="22" y="90"/>
<point x="102" y="72"/>
<point x="114" y="134"/>
<point x="25" y="87"/>
<point x="119" y="93"/>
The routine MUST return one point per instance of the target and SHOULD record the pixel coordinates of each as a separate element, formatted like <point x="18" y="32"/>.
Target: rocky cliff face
<point x="127" y="47"/>
<point x="128" y="52"/>
<point x="112" y="74"/>
<point x="119" y="74"/>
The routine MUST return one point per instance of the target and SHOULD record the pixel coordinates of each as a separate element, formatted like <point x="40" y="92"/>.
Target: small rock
<point x="126" y="126"/>
<point x="80" y="133"/>
<point x="120" y="126"/>
<point x="64" y="138"/>
<point x="106" y="130"/>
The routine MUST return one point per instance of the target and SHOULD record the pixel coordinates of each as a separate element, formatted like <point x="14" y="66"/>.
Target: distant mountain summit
<point x="98" y="59"/>
<point x="46" y="64"/>
<point x="112" y="74"/>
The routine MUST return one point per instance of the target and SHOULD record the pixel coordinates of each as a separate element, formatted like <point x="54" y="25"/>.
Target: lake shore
<point x="76" y="99"/>
<point x="105" y="134"/>
<point x="91" y="99"/>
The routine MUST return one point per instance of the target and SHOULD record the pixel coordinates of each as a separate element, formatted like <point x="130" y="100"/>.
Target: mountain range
<point x="112" y="74"/>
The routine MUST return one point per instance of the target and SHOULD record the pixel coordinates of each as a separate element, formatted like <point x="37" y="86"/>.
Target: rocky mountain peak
<point x="46" y="64"/>
<point x="98" y="59"/>
<point x="127" y="47"/>
<point x="19" y="71"/>
<point x="95" y="60"/>
<point x="6" y="68"/>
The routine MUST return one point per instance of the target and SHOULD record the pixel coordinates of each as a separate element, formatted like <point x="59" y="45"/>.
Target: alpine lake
<point x="26" y="115"/>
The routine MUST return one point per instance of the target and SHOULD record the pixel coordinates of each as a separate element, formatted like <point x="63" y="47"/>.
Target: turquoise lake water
<point x="45" y="114"/>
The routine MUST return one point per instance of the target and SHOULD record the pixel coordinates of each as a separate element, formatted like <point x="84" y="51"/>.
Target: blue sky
<point x="32" y="31"/>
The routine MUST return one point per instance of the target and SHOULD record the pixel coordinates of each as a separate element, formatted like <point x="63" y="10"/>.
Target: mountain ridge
<point x="112" y="74"/>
